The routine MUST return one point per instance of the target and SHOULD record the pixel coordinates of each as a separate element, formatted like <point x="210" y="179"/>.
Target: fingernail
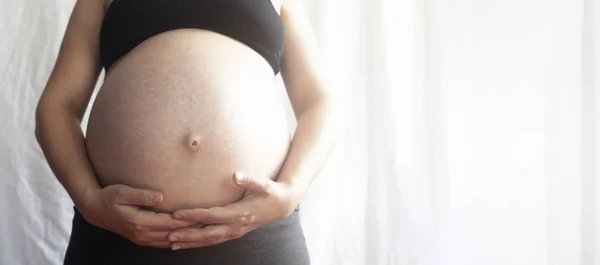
<point x="173" y="238"/>
<point x="178" y="216"/>
<point x="239" y="177"/>
<point x="176" y="247"/>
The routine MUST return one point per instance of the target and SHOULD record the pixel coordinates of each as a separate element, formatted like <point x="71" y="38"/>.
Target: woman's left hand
<point x="264" y="202"/>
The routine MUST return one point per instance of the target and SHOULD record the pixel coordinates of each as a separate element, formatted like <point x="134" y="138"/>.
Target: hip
<point x="281" y="242"/>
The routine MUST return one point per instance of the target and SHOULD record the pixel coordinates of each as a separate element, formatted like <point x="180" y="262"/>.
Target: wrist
<point x="86" y="197"/>
<point x="293" y="194"/>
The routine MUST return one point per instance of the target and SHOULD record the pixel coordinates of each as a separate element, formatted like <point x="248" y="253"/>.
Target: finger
<point x="158" y="239"/>
<point x="260" y="185"/>
<point x="156" y="221"/>
<point x="204" y="235"/>
<point x="150" y="236"/>
<point x="161" y="244"/>
<point x="231" y="213"/>
<point x="179" y="246"/>
<point x="127" y="195"/>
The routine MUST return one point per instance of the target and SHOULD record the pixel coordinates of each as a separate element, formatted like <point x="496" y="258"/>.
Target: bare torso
<point x="183" y="111"/>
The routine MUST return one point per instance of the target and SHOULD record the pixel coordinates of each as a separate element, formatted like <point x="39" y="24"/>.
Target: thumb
<point x="128" y="195"/>
<point x="261" y="185"/>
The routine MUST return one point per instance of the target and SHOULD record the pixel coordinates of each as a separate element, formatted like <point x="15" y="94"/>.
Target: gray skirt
<point x="279" y="243"/>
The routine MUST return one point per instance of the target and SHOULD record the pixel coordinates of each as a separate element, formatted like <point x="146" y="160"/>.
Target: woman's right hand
<point x="118" y="208"/>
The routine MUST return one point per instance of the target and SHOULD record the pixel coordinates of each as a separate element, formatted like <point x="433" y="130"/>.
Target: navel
<point x="193" y="141"/>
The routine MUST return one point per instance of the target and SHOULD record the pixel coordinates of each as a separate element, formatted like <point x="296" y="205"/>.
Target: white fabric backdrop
<point x="471" y="137"/>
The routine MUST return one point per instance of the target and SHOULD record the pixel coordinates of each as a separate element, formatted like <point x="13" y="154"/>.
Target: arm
<point x="314" y="103"/>
<point x="58" y="132"/>
<point x="64" y="100"/>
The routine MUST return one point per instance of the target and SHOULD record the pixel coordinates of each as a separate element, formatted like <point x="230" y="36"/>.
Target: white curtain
<point x="471" y="138"/>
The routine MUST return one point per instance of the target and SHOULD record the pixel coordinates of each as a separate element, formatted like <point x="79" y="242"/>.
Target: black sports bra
<point x="255" y="23"/>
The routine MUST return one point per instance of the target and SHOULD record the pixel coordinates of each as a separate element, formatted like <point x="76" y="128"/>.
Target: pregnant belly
<point x="181" y="113"/>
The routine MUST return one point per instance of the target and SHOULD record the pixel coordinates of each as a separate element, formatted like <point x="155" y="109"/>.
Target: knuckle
<point x="137" y="239"/>
<point x="131" y="220"/>
<point x="107" y="201"/>
<point x="108" y="198"/>
<point x="251" y="218"/>
<point x="244" y="219"/>
<point x="137" y="227"/>
<point x="120" y="192"/>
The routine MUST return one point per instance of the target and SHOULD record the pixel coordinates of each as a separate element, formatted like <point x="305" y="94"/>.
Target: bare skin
<point x="179" y="155"/>
<point x="177" y="121"/>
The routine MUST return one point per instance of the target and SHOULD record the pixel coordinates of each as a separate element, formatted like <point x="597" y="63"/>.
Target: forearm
<point x="313" y="141"/>
<point x="61" y="139"/>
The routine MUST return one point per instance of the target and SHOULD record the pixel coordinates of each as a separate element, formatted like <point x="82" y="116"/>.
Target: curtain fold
<point x="590" y="64"/>
<point x="480" y="121"/>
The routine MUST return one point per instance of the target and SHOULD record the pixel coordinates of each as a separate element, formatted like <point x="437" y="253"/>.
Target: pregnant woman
<point x="187" y="158"/>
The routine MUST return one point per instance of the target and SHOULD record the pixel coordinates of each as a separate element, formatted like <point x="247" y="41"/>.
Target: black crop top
<point x="255" y="23"/>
